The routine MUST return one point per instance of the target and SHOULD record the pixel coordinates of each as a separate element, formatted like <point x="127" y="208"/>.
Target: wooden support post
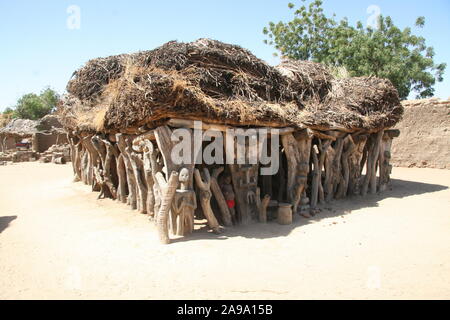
<point x="262" y="206"/>
<point x="355" y="160"/>
<point x="318" y="158"/>
<point x="332" y="168"/>
<point x="370" y="179"/>
<point x="316" y="176"/>
<point x="297" y="148"/>
<point x="163" y="137"/>
<point x="218" y="195"/>
<point x="122" y="176"/>
<point x="205" y="198"/>
<point x="168" y="193"/>
<point x="138" y="168"/>
<point x="348" y="147"/>
<point x="384" y="158"/>
<point x="131" y="180"/>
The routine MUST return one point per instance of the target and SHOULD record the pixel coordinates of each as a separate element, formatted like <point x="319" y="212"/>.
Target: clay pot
<point x="284" y="213"/>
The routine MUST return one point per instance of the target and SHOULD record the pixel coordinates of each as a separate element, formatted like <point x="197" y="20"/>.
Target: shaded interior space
<point x="6" y="221"/>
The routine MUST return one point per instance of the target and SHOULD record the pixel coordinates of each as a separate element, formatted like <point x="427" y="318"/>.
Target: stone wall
<point x="43" y="141"/>
<point x="8" y="142"/>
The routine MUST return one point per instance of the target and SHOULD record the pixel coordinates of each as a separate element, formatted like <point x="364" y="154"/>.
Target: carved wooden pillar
<point x="297" y="148"/>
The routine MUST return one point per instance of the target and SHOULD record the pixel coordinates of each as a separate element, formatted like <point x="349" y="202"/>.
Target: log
<point x="93" y="160"/>
<point x="370" y="179"/>
<point x="349" y="147"/>
<point x="323" y="147"/>
<point x="75" y="156"/>
<point x="205" y="198"/>
<point x="316" y="176"/>
<point x="138" y="168"/>
<point x="70" y="139"/>
<point x="150" y="182"/>
<point x="85" y="167"/>
<point x="189" y="124"/>
<point x="244" y="179"/>
<point x="218" y="195"/>
<point x="163" y="135"/>
<point x="105" y="151"/>
<point x="384" y="159"/>
<point x="373" y="180"/>
<point x="163" y="138"/>
<point x="166" y="202"/>
<point x="297" y="149"/>
<point x="262" y="206"/>
<point x="183" y="206"/>
<point x="131" y="180"/>
<point x="122" y="175"/>
<point x="332" y="168"/>
<point x="355" y="160"/>
<point x="110" y="154"/>
<point x="156" y="167"/>
<point x="323" y="136"/>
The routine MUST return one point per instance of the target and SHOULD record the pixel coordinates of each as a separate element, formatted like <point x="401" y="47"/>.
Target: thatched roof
<point x="26" y="127"/>
<point x="50" y="123"/>
<point x="20" y="127"/>
<point x="313" y="79"/>
<point x="364" y="102"/>
<point x="217" y="82"/>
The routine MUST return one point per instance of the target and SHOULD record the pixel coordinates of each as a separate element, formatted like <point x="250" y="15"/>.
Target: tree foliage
<point x="33" y="106"/>
<point x="385" y="51"/>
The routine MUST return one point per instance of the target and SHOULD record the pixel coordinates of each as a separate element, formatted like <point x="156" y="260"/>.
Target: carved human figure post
<point x="229" y="195"/>
<point x="184" y="205"/>
<point x="168" y="191"/>
<point x="297" y="148"/>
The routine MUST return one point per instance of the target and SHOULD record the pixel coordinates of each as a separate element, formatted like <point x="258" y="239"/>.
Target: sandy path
<point x="58" y="241"/>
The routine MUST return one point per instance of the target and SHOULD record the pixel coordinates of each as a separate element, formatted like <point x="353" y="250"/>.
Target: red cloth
<point x="231" y="203"/>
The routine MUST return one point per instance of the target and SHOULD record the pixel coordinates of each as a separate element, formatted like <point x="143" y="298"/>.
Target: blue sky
<point x="39" y="50"/>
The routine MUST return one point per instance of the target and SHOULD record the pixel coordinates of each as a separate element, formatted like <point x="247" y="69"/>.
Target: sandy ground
<point x="57" y="241"/>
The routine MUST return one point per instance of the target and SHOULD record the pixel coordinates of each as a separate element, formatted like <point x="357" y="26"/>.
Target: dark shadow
<point x="5" y="221"/>
<point x="398" y="189"/>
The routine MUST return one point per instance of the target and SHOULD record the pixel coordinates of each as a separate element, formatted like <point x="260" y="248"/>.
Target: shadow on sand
<point x="5" y="221"/>
<point x="399" y="189"/>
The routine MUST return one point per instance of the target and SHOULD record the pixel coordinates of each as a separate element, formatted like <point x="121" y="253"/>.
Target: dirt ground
<point x="58" y="242"/>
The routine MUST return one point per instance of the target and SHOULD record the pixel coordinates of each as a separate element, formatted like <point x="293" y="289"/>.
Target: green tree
<point x="8" y="111"/>
<point x="33" y="106"/>
<point x="385" y="52"/>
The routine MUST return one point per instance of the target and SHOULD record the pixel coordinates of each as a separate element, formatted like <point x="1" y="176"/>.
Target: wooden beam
<point x="189" y="124"/>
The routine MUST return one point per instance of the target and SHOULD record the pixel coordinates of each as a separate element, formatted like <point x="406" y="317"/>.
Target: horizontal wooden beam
<point x="189" y="124"/>
<point x="393" y="133"/>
